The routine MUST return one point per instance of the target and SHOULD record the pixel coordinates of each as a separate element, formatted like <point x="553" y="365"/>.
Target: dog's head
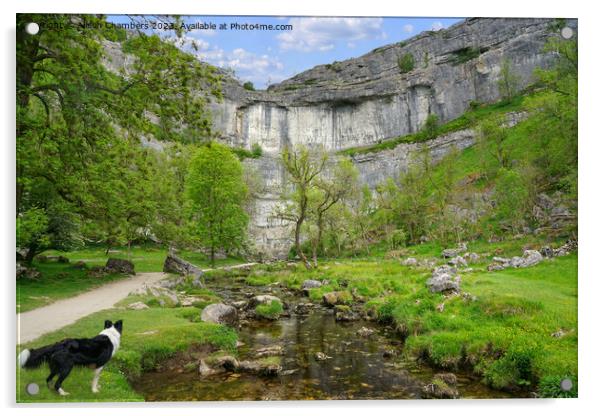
<point x="118" y="325"/>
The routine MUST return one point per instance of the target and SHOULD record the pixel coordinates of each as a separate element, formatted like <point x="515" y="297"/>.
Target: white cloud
<point x="408" y="28"/>
<point x="437" y="26"/>
<point x="321" y="34"/>
<point x="247" y="65"/>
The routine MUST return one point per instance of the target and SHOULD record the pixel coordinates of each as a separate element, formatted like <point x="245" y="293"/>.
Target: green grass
<point x="505" y="336"/>
<point x="270" y="310"/>
<point x="60" y="281"/>
<point x="465" y="121"/>
<point x="149" y="336"/>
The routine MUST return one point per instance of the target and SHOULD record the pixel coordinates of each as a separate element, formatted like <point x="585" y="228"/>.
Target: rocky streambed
<point x="311" y="351"/>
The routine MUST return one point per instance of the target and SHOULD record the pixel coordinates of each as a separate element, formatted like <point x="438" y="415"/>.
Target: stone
<point x="62" y="259"/>
<point x="529" y="258"/>
<point x="220" y="313"/>
<point x="205" y="370"/>
<point x="176" y="265"/>
<point x="138" y="306"/>
<point x="457" y="261"/>
<point x="119" y="266"/>
<point x="310" y="284"/>
<point x="472" y="257"/>
<point x="410" y="261"/>
<point x="331" y="299"/>
<point x="453" y="252"/>
<point x="365" y="332"/>
<point x="303" y="308"/>
<point x="320" y="356"/>
<point x="25" y="272"/>
<point x="444" y="279"/>
<point x="441" y="307"/>
<point x="443" y="386"/>
<point x="264" y="368"/>
<point x="262" y="300"/>
<point x="345" y="314"/>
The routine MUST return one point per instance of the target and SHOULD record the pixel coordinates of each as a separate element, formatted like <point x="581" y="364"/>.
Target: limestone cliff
<point x="365" y="100"/>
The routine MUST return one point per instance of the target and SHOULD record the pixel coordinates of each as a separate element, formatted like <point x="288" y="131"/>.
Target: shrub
<point x="406" y="63"/>
<point x="256" y="150"/>
<point x="269" y="311"/>
<point x="431" y="126"/>
<point x="248" y="86"/>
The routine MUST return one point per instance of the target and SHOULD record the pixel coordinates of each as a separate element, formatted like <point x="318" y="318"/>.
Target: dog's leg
<point x="95" y="380"/>
<point x="63" y="374"/>
<point x="50" y="377"/>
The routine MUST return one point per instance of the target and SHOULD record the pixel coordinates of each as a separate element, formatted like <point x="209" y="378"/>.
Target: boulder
<point x="220" y="313"/>
<point x="137" y="306"/>
<point x="62" y="259"/>
<point x="25" y="272"/>
<point x="453" y="252"/>
<point x="176" y="265"/>
<point x="331" y="299"/>
<point x="529" y="258"/>
<point x="307" y="285"/>
<point x="444" y="279"/>
<point x="119" y="266"/>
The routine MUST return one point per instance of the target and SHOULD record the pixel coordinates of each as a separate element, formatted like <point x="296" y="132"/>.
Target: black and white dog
<point x="64" y="355"/>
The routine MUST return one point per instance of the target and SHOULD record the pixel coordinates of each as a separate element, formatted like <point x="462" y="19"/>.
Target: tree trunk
<point x="32" y="250"/>
<point x="298" y="225"/>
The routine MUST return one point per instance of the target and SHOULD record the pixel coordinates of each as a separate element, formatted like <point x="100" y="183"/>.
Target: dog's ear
<point x="119" y="325"/>
<point x="108" y="324"/>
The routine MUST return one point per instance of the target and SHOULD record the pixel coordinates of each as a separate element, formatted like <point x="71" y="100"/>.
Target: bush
<point x="256" y="150"/>
<point x="431" y="126"/>
<point x="248" y="86"/>
<point x="406" y="63"/>
<point x="269" y="311"/>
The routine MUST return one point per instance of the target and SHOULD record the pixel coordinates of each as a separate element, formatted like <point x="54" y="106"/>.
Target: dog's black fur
<point x="64" y="355"/>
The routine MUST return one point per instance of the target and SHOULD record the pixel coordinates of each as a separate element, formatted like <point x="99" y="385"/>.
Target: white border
<point x="590" y="200"/>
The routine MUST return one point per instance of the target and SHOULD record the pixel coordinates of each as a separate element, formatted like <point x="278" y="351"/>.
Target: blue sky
<point x="265" y="57"/>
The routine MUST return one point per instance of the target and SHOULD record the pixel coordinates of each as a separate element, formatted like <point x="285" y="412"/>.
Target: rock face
<point x="368" y="99"/>
<point x="219" y="313"/>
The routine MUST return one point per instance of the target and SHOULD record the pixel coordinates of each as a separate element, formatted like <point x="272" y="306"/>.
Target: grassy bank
<point x="149" y="336"/>
<point x="501" y="330"/>
<point x="60" y="281"/>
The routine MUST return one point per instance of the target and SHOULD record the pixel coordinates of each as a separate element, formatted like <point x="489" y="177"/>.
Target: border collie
<point x="64" y="355"/>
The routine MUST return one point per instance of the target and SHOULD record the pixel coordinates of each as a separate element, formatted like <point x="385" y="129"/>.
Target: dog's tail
<point x="33" y="358"/>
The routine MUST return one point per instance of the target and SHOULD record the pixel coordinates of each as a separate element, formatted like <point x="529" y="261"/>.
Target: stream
<point x="355" y="368"/>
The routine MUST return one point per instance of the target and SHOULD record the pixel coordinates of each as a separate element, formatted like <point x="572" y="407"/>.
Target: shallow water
<point x="357" y="367"/>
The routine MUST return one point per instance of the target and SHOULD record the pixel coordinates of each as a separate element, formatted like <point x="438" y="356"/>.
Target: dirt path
<point x="32" y="324"/>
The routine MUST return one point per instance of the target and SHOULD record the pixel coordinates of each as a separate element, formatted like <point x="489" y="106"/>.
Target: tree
<point x="508" y="81"/>
<point x="303" y="167"/>
<point x="217" y="192"/>
<point x="326" y="193"/>
<point x="492" y="136"/>
<point x="74" y="107"/>
<point x="511" y="196"/>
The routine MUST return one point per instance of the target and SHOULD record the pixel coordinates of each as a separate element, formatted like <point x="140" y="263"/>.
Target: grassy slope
<point x="60" y="281"/>
<point x="149" y="336"/>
